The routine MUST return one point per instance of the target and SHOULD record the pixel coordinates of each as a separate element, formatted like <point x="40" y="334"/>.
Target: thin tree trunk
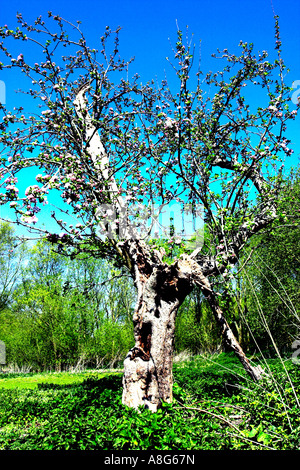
<point x="188" y="265"/>
<point x="232" y="343"/>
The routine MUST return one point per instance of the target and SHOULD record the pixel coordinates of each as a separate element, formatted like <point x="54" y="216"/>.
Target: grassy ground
<point x="215" y="407"/>
<point x="32" y="381"/>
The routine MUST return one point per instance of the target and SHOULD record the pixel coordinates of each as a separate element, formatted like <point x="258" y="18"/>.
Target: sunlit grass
<point x="31" y="381"/>
<point x="215" y="407"/>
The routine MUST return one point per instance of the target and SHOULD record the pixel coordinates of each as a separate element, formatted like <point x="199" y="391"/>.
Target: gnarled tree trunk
<point x="148" y="376"/>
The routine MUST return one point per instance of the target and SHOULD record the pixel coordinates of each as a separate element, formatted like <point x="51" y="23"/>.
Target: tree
<point x="10" y="261"/>
<point x="116" y="150"/>
<point x="195" y="331"/>
<point x="67" y="313"/>
<point x="36" y="326"/>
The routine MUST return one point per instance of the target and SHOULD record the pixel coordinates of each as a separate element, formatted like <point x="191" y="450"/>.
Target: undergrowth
<point x="215" y="407"/>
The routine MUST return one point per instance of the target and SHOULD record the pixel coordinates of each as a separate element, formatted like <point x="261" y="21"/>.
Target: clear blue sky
<point x="149" y="26"/>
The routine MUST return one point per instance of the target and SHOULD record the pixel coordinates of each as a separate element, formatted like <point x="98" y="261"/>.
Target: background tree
<point x="196" y="331"/>
<point x="108" y="143"/>
<point x="269" y="283"/>
<point x="58" y="315"/>
<point x="11" y="256"/>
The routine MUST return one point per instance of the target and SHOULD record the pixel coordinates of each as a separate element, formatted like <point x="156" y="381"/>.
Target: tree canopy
<point x="115" y="148"/>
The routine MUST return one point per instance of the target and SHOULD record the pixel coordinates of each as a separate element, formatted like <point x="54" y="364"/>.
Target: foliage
<point x="207" y="413"/>
<point x="11" y="257"/>
<point x="268" y="286"/>
<point x="196" y="331"/>
<point x="66" y="313"/>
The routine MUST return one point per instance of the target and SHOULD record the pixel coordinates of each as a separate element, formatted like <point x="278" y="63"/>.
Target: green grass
<point x="215" y="407"/>
<point x="32" y="381"/>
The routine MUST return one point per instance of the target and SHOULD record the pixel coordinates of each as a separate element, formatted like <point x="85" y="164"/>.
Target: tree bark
<point x="148" y="378"/>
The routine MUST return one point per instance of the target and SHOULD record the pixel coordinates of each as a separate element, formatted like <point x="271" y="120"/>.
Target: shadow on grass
<point x="109" y="382"/>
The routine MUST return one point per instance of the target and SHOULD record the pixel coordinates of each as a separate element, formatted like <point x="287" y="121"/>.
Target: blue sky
<point x="147" y="25"/>
<point x="148" y="28"/>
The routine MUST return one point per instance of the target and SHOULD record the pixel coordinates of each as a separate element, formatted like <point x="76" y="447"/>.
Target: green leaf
<point x="263" y="437"/>
<point x="253" y="432"/>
